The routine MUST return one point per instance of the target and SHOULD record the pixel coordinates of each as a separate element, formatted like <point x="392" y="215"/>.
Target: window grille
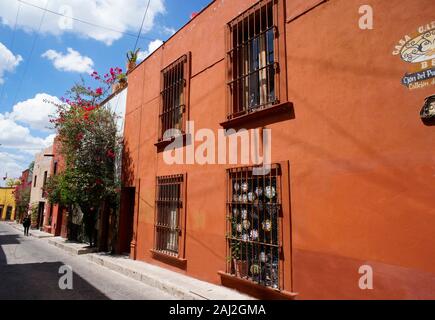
<point x="252" y="59"/>
<point x="174" y="98"/>
<point x="253" y="225"/>
<point x="168" y="211"/>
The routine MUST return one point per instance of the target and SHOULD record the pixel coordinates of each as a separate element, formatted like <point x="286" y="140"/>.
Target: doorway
<point x="8" y="213"/>
<point x="126" y="219"/>
<point x="41" y="206"/>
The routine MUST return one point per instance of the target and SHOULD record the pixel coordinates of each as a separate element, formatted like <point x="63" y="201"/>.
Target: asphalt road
<point x="29" y="269"/>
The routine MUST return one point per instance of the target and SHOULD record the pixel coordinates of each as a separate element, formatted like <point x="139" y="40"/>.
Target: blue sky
<point x="64" y="50"/>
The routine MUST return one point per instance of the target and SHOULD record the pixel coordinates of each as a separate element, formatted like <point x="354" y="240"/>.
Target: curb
<point x="71" y="250"/>
<point x="165" y="286"/>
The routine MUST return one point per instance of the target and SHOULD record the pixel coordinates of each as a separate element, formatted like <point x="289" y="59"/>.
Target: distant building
<point x="7" y="204"/>
<point x="41" y="172"/>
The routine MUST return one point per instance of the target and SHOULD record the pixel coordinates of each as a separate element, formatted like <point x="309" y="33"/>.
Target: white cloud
<point x="152" y="46"/>
<point x="18" y="144"/>
<point x="35" y="112"/>
<point x="168" y="30"/>
<point x="73" y="61"/>
<point x="8" y="61"/>
<point x="12" y="165"/>
<point x="119" y="15"/>
<point x="15" y="136"/>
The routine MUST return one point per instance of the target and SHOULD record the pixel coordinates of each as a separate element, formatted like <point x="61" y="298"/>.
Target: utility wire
<point x="141" y="26"/>
<point x="11" y="46"/>
<point x="82" y="21"/>
<point x="35" y="39"/>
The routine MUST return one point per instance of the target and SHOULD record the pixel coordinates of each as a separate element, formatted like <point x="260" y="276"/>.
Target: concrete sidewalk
<point x="73" y="248"/>
<point x="173" y="283"/>
<point x="34" y="233"/>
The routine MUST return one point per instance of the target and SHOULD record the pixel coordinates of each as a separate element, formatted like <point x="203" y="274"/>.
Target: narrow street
<point x="29" y="269"/>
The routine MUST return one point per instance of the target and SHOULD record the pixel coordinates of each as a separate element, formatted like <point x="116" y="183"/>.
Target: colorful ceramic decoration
<point x="262" y="257"/>
<point x="270" y="192"/>
<point x="235" y="197"/>
<point x="251" y="197"/>
<point x="259" y="191"/>
<point x="239" y="227"/>
<point x="244" y="214"/>
<point x="244" y="187"/>
<point x="246" y="224"/>
<point x="244" y="198"/>
<point x="254" y="234"/>
<point x="236" y="186"/>
<point x="267" y="225"/>
<point x="245" y="237"/>
<point x="255" y="269"/>
<point x="235" y="212"/>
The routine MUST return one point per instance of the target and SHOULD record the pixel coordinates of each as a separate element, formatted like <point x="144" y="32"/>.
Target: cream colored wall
<point x="42" y="164"/>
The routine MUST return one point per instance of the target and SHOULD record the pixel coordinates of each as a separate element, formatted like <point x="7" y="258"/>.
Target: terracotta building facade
<point x="349" y="193"/>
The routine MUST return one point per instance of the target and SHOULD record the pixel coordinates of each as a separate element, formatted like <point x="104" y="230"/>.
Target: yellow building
<point x="7" y="204"/>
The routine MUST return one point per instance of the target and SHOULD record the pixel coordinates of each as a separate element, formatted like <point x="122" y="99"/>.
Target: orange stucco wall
<point x="361" y="162"/>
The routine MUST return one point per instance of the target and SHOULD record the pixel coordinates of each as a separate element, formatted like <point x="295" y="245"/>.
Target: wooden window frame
<point x="186" y="61"/>
<point x="177" y="259"/>
<point x="281" y="104"/>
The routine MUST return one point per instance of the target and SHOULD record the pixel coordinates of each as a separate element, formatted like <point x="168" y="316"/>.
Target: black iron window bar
<point x="253" y="59"/>
<point x="167" y="218"/>
<point x="173" y="106"/>
<point x="254" y="241"/>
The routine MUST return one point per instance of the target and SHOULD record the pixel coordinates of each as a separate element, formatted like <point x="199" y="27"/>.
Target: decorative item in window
<point x="251" y="197"/>
<point x="270" y="192"/>
<point x="244" y="198"/>
<point x="246" y="224"/>
<point x="236" y="187"/>
<point x="244" y="214"/>
<point x="235" y="212"/>
<point x="267" y="225"/>
<point x="254" y="234"/>
<point x="259" y="191"/>
<point x="263" y="257"/>
<point x="255" y="269"/>
<point x="245" y="237"/>
<point x="244" y="187"/>
<point x="239" y="228"/>
<point x="236" y="197"/>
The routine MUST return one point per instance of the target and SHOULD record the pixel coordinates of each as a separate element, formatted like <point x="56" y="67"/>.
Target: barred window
<point x="252" y="59"/>
<point x="175" y="80"/>
<point x="169" y="204"/>
<point x="253" y="225"/>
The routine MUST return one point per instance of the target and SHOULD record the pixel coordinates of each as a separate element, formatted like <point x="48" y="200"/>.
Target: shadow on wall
<point x="39" y="281"/>
<point x="127" y="174"/>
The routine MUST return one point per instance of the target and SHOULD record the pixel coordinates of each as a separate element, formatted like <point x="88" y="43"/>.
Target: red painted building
<point x="351" y="186"/>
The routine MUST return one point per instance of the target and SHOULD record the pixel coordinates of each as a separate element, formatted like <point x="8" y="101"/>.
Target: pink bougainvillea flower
<point x="111" y="154"/>
<point x="99" y="91"/>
